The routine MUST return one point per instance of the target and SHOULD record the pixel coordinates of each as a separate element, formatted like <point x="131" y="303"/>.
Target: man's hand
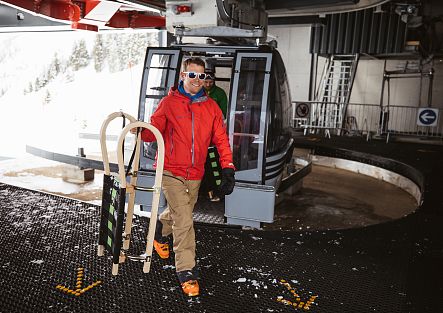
<point x="133" y="130"/>
<point x="228" y="182"/>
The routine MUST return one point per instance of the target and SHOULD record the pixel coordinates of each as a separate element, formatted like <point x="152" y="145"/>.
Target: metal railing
<point x="363" y="120"/>
<point x="403" y="120"/>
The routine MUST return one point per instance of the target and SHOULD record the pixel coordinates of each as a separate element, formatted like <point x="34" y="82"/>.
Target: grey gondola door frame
<point x="160" y="73"/>
<point x="248" y="114"/>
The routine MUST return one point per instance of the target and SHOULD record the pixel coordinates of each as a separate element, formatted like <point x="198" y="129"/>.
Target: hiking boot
<point x="189" y="283"/>
<point x="195" y="273"/>
<point x="191" y="288"/>
<point x="162" y="249"/>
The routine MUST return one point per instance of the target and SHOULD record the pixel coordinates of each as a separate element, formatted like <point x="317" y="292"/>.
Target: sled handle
<point x="103" y="137"/>
<point x="157" y="183"/>
<point x="131" y="186"/>
<point x="160" y="152"/>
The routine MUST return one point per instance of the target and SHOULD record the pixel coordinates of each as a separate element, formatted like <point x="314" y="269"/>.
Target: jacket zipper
<point x="192" y="140"/>
<point x="192" y="147"/>
<point x="172" y="140"/>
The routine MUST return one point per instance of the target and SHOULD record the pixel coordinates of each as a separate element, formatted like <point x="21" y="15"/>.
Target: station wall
<point x="293" y="44"/>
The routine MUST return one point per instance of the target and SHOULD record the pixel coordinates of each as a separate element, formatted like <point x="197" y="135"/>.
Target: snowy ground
<point x="40" y="174"/>
<point x="35" y="173"/>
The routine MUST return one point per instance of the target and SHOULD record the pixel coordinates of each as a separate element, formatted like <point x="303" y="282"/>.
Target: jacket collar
<point x="198" y="97"/>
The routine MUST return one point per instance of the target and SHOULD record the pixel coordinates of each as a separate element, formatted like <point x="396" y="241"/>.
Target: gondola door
<point x="247" y="115"/>
<point x="160" y="73"/>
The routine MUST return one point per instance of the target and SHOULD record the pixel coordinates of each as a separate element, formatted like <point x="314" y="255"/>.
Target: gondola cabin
<point x="253" y="76"/>
<point x="258" y="119"/>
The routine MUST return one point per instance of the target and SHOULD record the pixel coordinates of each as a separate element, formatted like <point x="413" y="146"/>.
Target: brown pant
<point x="176" y="219"/>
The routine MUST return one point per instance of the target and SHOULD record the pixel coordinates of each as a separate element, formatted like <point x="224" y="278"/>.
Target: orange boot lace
<point x="191" y="288"/>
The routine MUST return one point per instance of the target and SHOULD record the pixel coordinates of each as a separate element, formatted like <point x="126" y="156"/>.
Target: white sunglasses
<point x="201" y="76"/>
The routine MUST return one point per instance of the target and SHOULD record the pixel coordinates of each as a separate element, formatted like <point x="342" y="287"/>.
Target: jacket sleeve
<point x="223" y="102"/>
<point x="158" y="120"/>
<point x="221" y="141"/>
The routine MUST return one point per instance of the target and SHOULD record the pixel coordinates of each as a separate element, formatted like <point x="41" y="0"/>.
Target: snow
<point x="78" y="103"/>
<point x="37" y="262"/>
<point x="75" y="106"/>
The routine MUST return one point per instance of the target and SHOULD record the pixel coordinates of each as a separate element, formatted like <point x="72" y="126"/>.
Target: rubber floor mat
<point x="47" y="241"/>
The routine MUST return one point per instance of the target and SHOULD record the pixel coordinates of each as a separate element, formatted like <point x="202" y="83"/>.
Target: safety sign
<point x="427" y="117"/>
<point x="302" y="109"/>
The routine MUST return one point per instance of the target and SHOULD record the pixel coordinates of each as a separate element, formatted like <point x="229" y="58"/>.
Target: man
<point x="219" y="96"/>
<point x="189" y="121"/>
<point x="215" y="92"/>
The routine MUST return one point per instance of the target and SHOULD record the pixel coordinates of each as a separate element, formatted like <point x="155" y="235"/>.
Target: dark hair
<point x="189" y="61"/>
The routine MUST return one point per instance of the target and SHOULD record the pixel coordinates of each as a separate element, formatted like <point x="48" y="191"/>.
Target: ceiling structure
<point x="81" y="14"/>
<point x="95" y="14"/>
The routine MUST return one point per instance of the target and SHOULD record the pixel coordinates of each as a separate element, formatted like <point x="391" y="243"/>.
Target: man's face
<point x="192" y="85"/>
<point x="208" y="83"/>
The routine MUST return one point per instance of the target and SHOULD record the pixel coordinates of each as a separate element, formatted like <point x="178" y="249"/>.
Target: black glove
<point x="227" y="182"/>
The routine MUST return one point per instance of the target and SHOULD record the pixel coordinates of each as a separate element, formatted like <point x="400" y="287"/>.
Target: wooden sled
<point x="115" y="225"/>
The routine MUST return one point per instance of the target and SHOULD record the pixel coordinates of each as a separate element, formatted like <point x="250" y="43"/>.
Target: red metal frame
<point x="73" y="11"/>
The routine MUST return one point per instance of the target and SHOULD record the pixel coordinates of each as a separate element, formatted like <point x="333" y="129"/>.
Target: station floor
<point x="393" y="266"/>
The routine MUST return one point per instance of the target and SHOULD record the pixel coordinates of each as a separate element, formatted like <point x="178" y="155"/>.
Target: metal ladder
<point x="334" y="91"/>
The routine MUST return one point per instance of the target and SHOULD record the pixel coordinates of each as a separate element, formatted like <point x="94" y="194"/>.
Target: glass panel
<point x="245" y="152"/>
<point x="250" y="83"/>
<point x="253" y="64"/>
<point x="150" y="106"/>
<point x="160" y="60"/>
<point x="157" y="80"/>
<point x="158" y="75"/>
<point x="248" y="112"/>
<point x="280" y="108"/>
<point x="156" y="89"/>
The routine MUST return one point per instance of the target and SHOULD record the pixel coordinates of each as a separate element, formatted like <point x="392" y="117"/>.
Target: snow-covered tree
<point x="99" y="53"/>
<point x="137" y="48"/>
<point x="83" y="54"/>
<point x="114" y="43"/>
<point x="80" y="56"/>
<point x="69" y="75"/>
<point x="55" y="67"/>
<point x="73" y="59"/>
<point x="37" y="84"/>
<point x="47" y="97"/>
<point x="28" y="89"/>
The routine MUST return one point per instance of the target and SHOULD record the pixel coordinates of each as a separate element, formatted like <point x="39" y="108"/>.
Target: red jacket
<point x="188" y="129"/>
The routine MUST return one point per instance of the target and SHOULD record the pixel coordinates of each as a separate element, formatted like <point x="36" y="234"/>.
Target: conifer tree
<point x="37" y="84"/>
<point x="99" y="53"/>
<point x="83" y="55"/>
<point x="122" y="51"/>
<point x="54" y="67"/>
<point x="28" y="89"/>
<point x="73" y="59"/>
<point x="113" y="44"/>
<point x="79" y="57"/>
<point x="47" y="97"/>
